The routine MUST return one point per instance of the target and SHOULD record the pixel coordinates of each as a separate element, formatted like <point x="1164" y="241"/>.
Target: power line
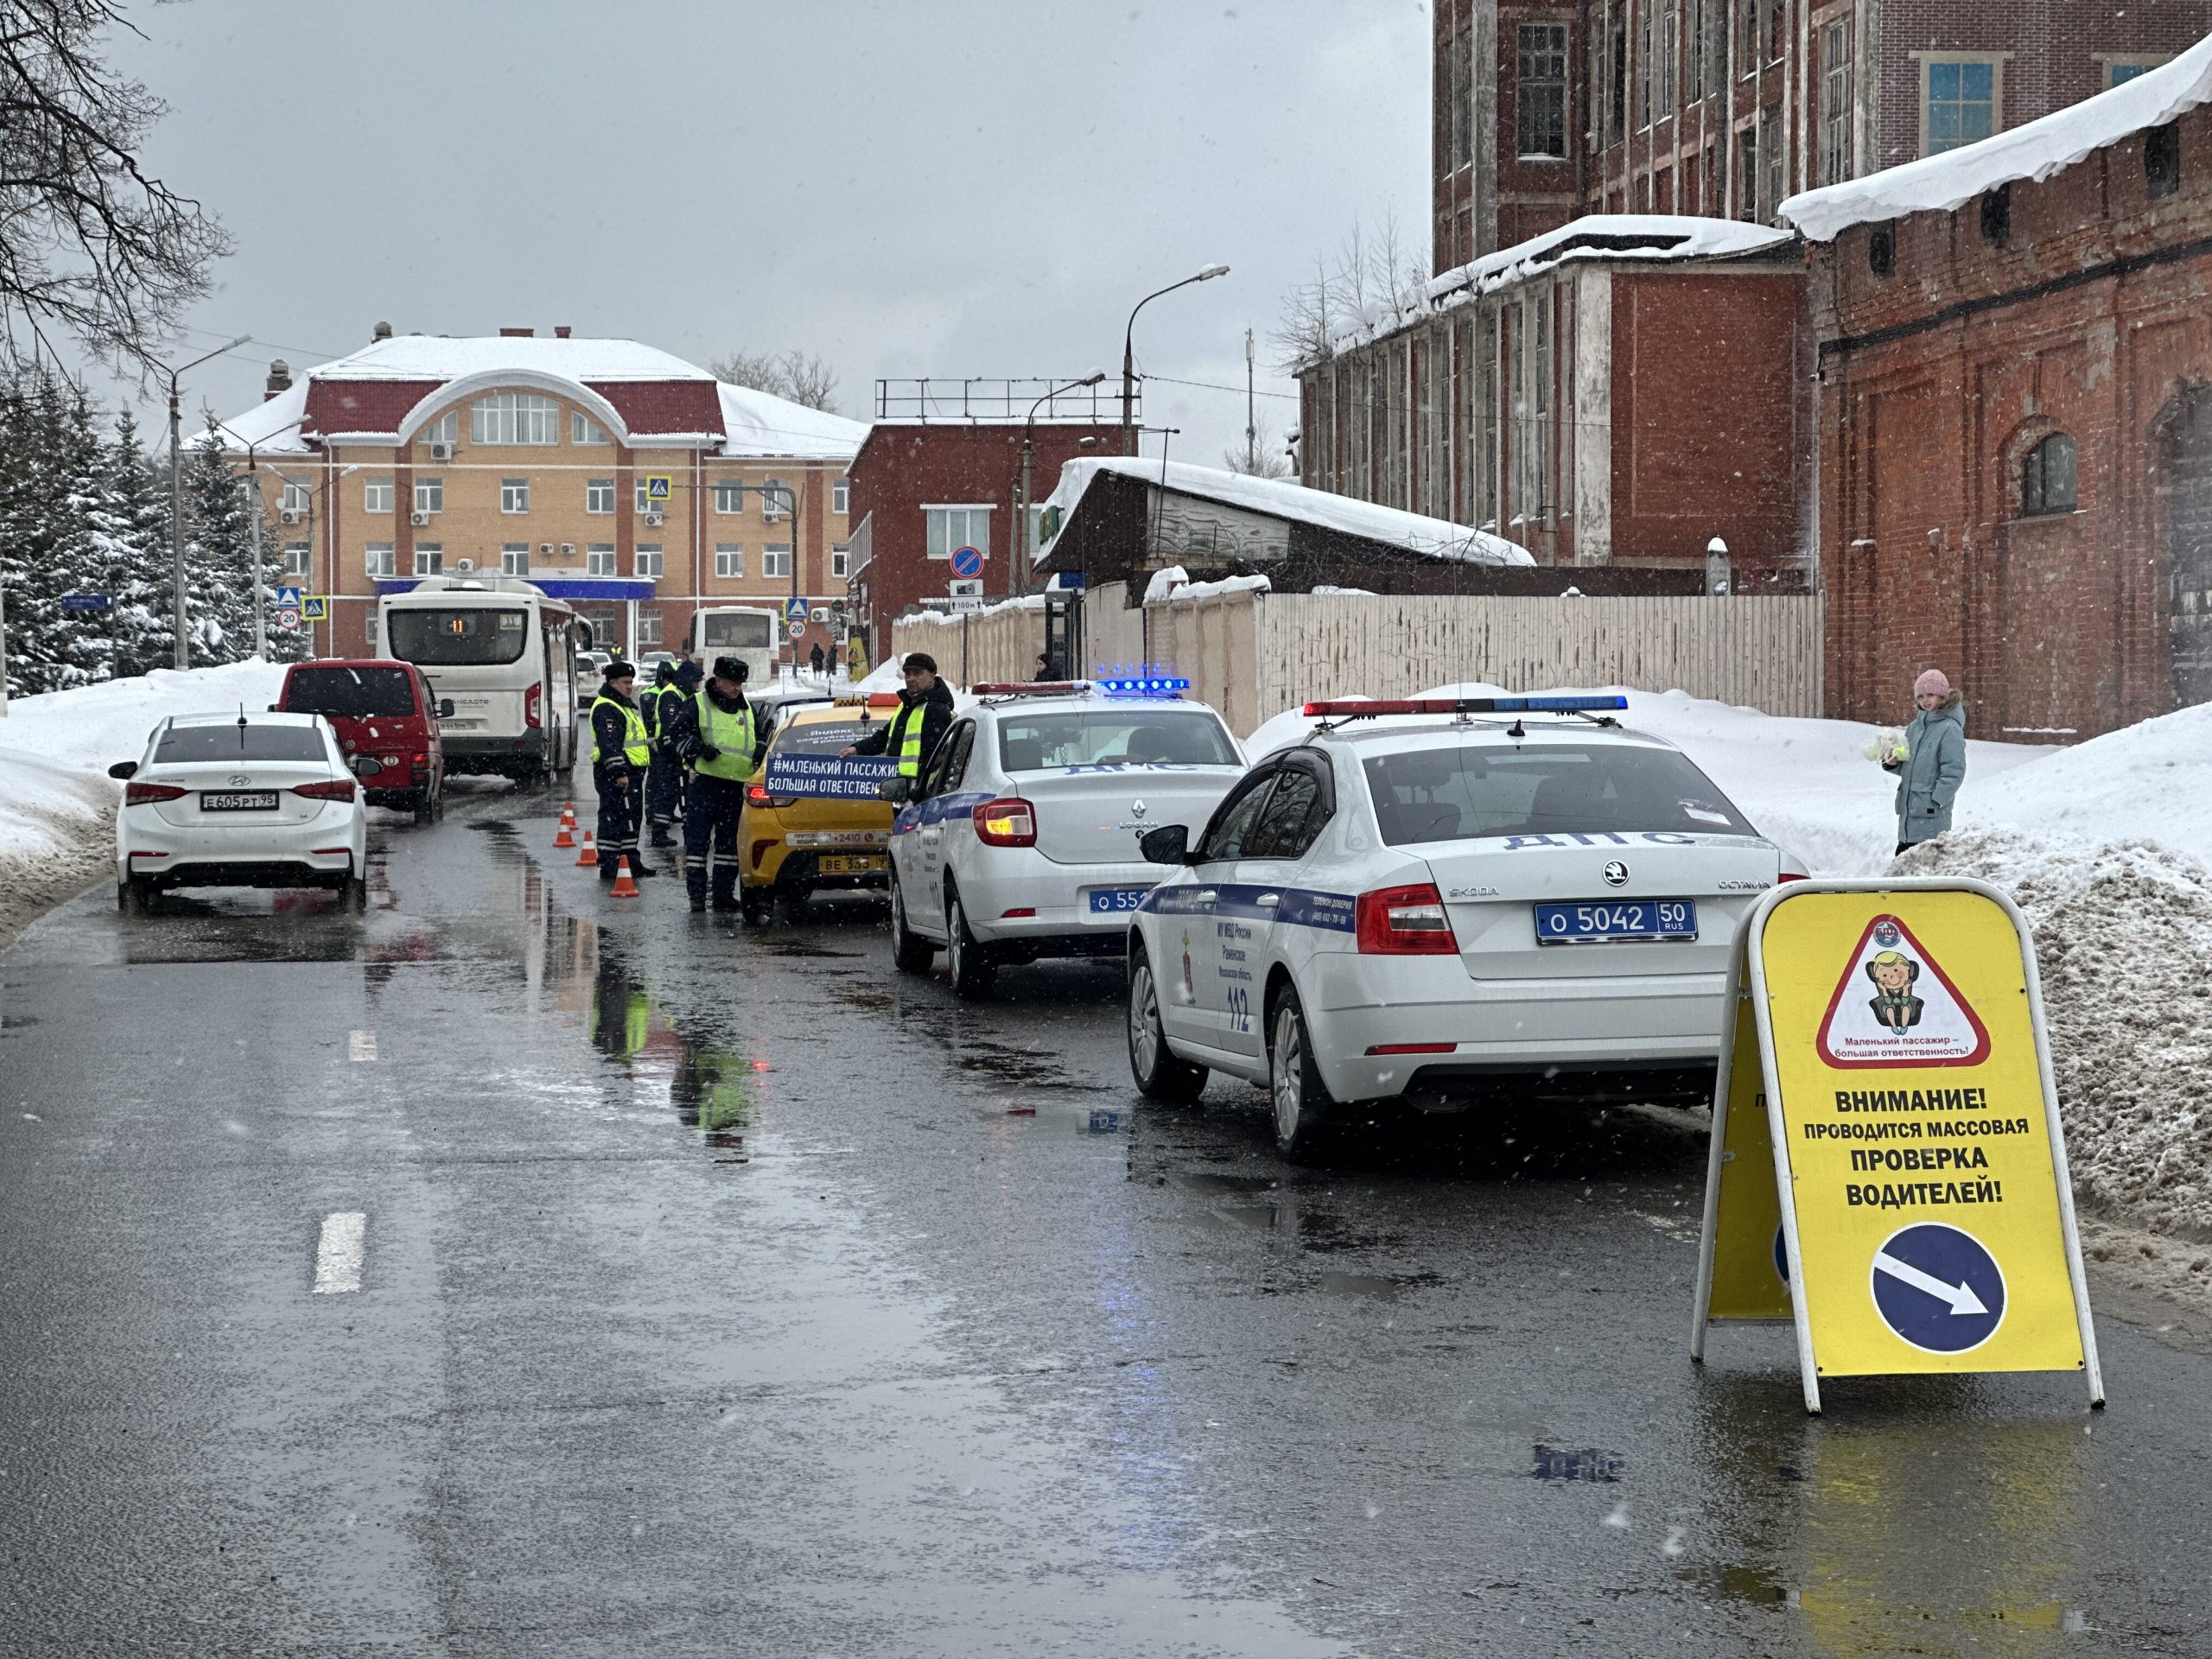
<point x="1208" y="385"/>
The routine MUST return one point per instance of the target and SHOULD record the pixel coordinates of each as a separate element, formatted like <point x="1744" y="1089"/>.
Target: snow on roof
<point x="757" y="425"/>
<point x="1608" y="236"/>
<point x="446" y="357"/>
<point x="1944" y="182"/>
<point x="1281" y="499"/>
<point x="272" y="428"/>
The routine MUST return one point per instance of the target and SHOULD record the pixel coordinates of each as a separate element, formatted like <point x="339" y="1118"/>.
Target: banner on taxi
<point x="1918" y="1168"/>
<point x="804" y="762"/>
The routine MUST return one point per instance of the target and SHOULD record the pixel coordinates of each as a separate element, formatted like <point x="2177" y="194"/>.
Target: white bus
<point x="506" y="654"/>
<point x="753" y="631"/>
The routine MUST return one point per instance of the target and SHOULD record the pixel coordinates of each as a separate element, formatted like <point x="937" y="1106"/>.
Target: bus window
<point x="471" y="638"/>
<point x="738" y="630"/>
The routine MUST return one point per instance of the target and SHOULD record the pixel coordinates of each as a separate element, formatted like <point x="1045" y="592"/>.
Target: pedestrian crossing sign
<point x="314" y="607"/>
<point x="288" y="598"/>
<point x="1912" y="1149"/>
<point x="658" y="487"/>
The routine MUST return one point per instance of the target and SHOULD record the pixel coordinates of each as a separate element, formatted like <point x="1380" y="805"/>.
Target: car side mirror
<point x="362" y="764"/>
<point x="897" y="790"/>
<point x="1169" y="844"/>
<point x="445" y="708"/>
<point x="124" y="769"/>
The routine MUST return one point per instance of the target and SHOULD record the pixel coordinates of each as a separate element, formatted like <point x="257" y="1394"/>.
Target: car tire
<point x="356" y="895"/>
<point x="973" y="971"/>
<point x="425" y="806"/>
<point x="132" y="898"/>
<point x="755" y="907"/>
<point x="909" y="952"/>
<point x="1160" y="1074"/>
<point x="1298" y="1100"/>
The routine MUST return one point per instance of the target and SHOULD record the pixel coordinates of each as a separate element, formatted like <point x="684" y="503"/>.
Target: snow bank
<point x="2123" y="932"/>
<point x="1943" y="182"/>
<point x="2150" y="781"/>
<point x="57" y="803"/>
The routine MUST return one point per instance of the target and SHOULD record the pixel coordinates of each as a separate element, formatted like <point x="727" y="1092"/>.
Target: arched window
<point x="2047" y="480"/>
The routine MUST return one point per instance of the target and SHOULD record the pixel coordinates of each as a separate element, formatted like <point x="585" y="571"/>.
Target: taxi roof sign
<point x="1911" y="1122"/>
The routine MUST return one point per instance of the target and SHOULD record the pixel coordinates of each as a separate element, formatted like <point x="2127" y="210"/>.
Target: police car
<point x="1424" y="907"/>
<point x="1019" y="839"/>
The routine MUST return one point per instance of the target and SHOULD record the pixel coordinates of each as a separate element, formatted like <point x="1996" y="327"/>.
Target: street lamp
<point x="768" y="488"/>
<point x="253" y="491"/>
<point x="1128" y="360"/>
<point x="1029" y="452"/>
<point x="176" y="501"/>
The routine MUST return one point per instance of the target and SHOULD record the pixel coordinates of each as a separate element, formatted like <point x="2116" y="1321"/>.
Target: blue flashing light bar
<point x="1344" y="707"/>
<point x="1156" y="685"/>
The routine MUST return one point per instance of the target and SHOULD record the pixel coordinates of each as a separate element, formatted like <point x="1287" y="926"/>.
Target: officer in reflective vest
<point x="664" y="781"/>
<point x="620" y="754"/>
<point x="925" y="712"/>
<point x="716" y="733"/>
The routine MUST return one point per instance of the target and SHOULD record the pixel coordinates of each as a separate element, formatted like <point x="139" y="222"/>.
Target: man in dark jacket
<point x="620" y="754"/>
<point x="925" y="712"/>
<point x="716" y="731"/>
<point x="664" y="781"/>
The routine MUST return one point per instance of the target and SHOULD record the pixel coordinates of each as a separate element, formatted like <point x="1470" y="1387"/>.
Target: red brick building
<point x="942" y="470"/>
<point x="2015" y="417"/>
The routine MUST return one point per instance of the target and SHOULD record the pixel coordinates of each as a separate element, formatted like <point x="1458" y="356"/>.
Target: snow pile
<point x="2123" y="933"/>
<point x="57" y="803"/>
<point x="1941" y="182"/>
<point x="1277" y="497"/>
<point x="2152" y="781"/>
<point x="953" y="619"/>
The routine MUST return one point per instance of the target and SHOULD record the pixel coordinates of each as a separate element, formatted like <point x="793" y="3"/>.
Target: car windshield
<point x="231" y="742"/>
<point x="823" y="736"/>
<point x="466" y="637"/>
<point x="344" y="691"/>
<point x="1115" y="737"/>
<point x="1470" y="790"/>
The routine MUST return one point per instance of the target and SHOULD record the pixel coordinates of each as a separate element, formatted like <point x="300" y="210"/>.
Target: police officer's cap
<point x="689" y="674"/>
<point x="618" y="669"/>
<point x="732" y="669"/>
<point x="666" y="674"/>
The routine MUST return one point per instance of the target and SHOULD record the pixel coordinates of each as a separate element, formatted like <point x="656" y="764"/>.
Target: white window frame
<point x="729" y="562"/>
<point x="429" y="495"/>
<point x="584" y="429"/>
<point x="514" y="420"/>
<point x="599" y="559"/>
<point x="1838" y="75"/>
<point x="445" y="429"/>
<point x="774" y="498"/>
<point x="729" y="496"/>
<point x="933" y="513"/>
<point x="649" y="625"/>
<point x="841" y="495"/>
<point x="648" y="559"/>
<point x="369" y="625"/>
<point x="380" y="559"/>
<point x="599" y="495"/>
<point x="1924" y="61"/>
<point x="776" y="562"/>
<point x="376" y="495"/>
<point x="297" y="498"/>
<point x="298" y="559"/>
<point x="514" y="495"/>
<point x="514" y="558"/>
<point x="429" y="559"/>
<point x="841" y="559"/>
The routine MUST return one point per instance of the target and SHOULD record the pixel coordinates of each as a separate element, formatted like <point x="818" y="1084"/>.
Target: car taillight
<point x="1007" y="822"/>
<point x="141" y="794"/>
<point x="758" y="795"/>
<point x="1404" y="922"/>
<point x="532" y="701"/>
<point x="338" y="789"/>
<point x="1792" y="876"/>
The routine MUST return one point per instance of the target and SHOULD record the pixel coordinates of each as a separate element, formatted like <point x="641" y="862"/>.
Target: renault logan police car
<point x="1424" y="907"/>
<point x="1020" y="840"/>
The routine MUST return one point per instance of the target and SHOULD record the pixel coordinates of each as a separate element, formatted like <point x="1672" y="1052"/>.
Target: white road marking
<point x="361" y="1045"/>
<point x="338" y="1252"/>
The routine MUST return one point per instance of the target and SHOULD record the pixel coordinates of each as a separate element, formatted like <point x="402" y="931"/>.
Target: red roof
<point x="646" y="406"/>
<point x="663" y="405"/>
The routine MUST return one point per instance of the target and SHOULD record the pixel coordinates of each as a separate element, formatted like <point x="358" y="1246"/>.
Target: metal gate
<point x="2189" y="548"/>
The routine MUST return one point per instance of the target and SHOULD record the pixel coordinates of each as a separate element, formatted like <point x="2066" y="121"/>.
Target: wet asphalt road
<point x="727" y="1294"/>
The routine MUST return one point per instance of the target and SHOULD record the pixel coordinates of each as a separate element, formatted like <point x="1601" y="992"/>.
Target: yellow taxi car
<point x="791" y="846"/>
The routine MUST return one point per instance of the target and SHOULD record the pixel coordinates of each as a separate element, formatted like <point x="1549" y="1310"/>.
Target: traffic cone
<point x="590" y="856"/>
<point x="564" y="839"/>
<point x="568" y="813"/>
<point x="624" y="887"/>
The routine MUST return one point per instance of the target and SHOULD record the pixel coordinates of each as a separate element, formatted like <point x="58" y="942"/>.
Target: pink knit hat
<point x="1931" y="684"/>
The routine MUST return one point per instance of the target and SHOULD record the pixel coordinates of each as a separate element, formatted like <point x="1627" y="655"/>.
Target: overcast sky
<point x="941" y="187"/>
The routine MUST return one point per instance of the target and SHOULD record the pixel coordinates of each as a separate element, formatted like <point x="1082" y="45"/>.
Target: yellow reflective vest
<point x="733" y="734"/>
<point x="635" y="747"/>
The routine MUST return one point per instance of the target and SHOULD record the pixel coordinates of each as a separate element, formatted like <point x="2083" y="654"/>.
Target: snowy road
<point x="508" y="1272"/>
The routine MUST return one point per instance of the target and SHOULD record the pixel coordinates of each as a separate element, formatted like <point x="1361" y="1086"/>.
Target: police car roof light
<point x="1346" y="708"/>
<point x="1145" y="685"/>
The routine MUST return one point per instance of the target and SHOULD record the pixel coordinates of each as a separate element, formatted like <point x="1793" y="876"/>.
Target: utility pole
<point x="184" y="652"/>
<point x="260" y="606"/>
<point x="1251" y="415"/>
<point x="1024" y="555"/>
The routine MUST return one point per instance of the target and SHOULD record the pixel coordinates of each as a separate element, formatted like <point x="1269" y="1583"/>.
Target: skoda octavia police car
<point x="1019" y="839"/>
<point x="1420" y="907"/>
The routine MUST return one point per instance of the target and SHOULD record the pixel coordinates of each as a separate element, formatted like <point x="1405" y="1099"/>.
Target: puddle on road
<point x="1589" y="1463"/>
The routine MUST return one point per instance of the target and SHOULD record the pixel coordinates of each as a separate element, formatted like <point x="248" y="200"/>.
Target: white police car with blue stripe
<point x="1444" y="900"/>
<point x="1020" y="838"/>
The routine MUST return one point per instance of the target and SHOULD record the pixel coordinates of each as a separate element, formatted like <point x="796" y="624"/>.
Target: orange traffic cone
<point x="590" y="856"/>
<point x="564" y="839"/>
<point x="624" y="887"/>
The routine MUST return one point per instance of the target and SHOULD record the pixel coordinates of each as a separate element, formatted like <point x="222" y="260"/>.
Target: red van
<point x="381" y="711"/>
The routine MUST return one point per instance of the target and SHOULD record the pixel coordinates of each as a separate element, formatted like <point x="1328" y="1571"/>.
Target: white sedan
<point x="1497" y="889"/>
<point x="1020" y="840"/>
<point x="263" y="800"/>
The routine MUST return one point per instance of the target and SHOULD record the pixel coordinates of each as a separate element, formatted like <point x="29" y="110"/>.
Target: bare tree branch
<point x="795" y="376"/>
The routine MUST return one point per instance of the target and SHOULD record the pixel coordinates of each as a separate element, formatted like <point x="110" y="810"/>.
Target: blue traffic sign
<point x="966" y="562"/>
<point x="288" y="598"/>
<point x="795" y="610"/>
<point x="87" y="602"/>
<point x="1938" y="1287"/>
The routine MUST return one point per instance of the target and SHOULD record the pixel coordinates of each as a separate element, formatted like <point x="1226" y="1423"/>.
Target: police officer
<point x="619" y="755"/>
<point x="716" y="733"/>
<point x="664" y="780"/>
<point x="925" y="711"/>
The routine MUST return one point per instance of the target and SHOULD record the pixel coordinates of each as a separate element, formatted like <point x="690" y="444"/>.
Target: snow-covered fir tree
<point x="33" y="535"/>
<point x="129" y="524"/>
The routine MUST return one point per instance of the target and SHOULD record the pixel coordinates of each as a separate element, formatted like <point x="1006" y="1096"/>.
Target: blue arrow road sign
<point x="87" y="602"/>
<point x="966" y="562"/>
<point x="1939" y="1288"/>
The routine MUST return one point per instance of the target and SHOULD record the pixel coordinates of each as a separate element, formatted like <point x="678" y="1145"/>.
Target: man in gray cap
<point x="716" y="733"/>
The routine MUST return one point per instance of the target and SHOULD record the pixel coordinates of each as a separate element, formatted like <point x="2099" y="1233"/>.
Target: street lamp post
<point x="184" y="652"/>
<point x="1128" y="356"/>
<point x="253" y="494"/>
<point x="769" y="488"/>
<point x="1021" y="549"/>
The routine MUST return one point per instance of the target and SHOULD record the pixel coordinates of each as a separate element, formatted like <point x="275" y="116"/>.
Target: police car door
<point x="1261" y="912"/>
<point x="1198" y="942"/>
<point x="922" y="881"/>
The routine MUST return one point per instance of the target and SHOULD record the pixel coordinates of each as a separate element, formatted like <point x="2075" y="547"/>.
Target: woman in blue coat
<point x="1933" y="764"/>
